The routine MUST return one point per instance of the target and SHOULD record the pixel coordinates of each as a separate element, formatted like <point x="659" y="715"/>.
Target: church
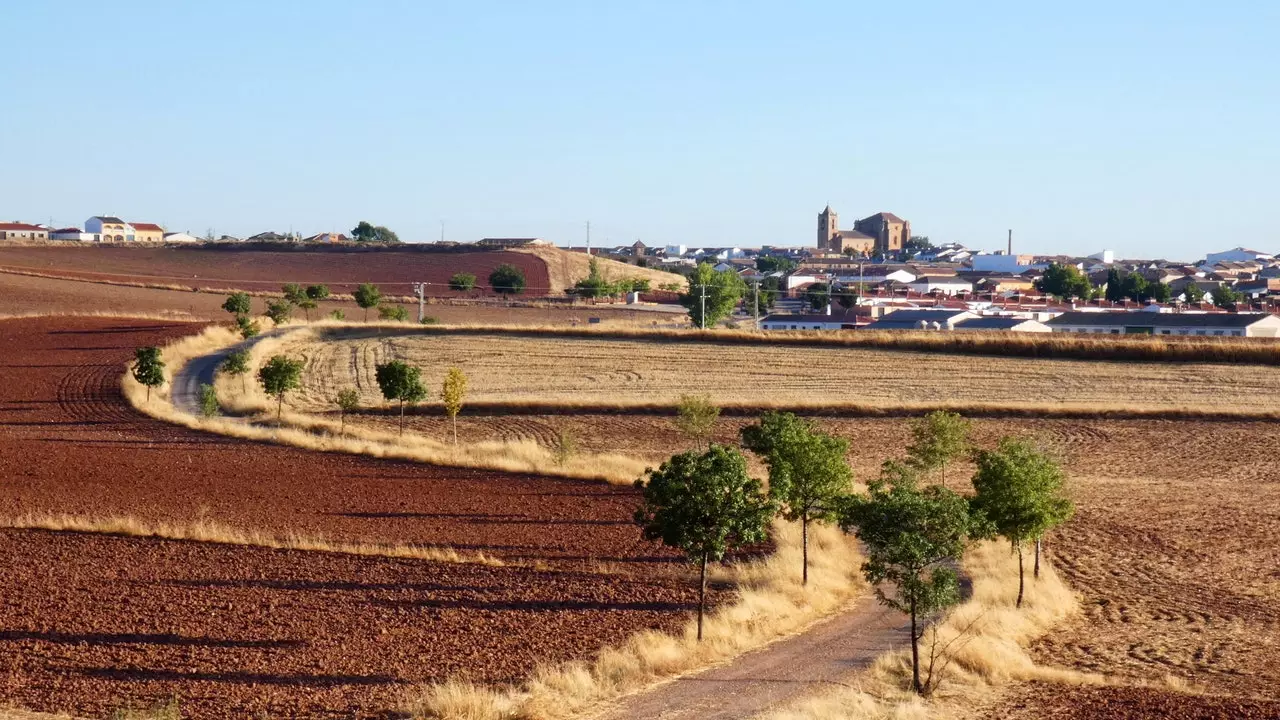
<point x="883" y="232"/>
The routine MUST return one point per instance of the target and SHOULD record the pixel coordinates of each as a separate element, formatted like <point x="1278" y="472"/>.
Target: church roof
<point x="854" y="235"/>
<point x="884" y="216"/>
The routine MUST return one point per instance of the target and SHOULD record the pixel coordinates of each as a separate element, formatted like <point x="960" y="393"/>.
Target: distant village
<point x="878" y="275"/>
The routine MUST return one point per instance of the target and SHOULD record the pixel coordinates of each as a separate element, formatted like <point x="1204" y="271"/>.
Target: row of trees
<point x="595" y="285"/>
<point x="1068" y="282"/>
<point x="704" y="503"/>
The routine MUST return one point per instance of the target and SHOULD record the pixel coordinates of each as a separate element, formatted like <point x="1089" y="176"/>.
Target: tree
<point x="294" y="293"/>
<point x="248" y="328"/>
<point x="915" y="245"/>
<point x="1115" y="285"/>
<point x="367" y="296"/>
<point x="278" y="376"/>
<point x="1134" y="287"/>
<point x="716" y="291"/>
<point x="704" y="504"/>
<point x="507" y="280"/>
<point x="367" y="233"/>
<point x="238" y="304"/>
<point x="311" y="298"/>
<point x="348" y="401"/>
<point x="1194" y="293"/>
<point x="808" y="472"/>
<point x="1159" y="291"/>
<point x="462" y="282"/>
<point x="913" y="537"/>
<point x="208" y="400"/>
<point x="451" y="394"/>
<point x="936" y="439"/>
<point x="236" y="363"/>
<point x="279" y="311"/>
<point x="1020" y="491"/>
<point x="819" y="295"/>
<point x="847" y="296"/>
<point x="594" y="285"/>
<point x="1065" y="281"/>
<point x="775" y="263"/>
<point x="148" y="368"/>
<point x="1225" y="297"/>
<point x="394" y="313"/>
<point x="696" y="417"/>
<point x="400" y="382"/>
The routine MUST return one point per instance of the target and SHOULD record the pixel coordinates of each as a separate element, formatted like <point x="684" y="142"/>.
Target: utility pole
<point x="756" y="305"/>
<point x="442" y="231"/>
<point x="420" y="290"/>
<point x="588" y="238"/>
<point x="703" y="316"/>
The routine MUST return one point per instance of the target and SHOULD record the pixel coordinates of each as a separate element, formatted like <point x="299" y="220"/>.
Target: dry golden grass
<point x="565" y="268"/>
<point x="990" y="652"/>
<point x="311" y="433"/>
<point x="209" y="531"/>
<point x="562" y="369"/>
<point x="771" y="604"/>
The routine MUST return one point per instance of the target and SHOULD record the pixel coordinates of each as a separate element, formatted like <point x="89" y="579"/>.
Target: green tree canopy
<point x="367" y="296"/>
<point x="238" y="304"/>
<point x="809" y="475"/>
<point x="278" y="376"/>
<point x="279" y="311"/>
<point x="818" y="295"/>
<point x="367" y="232"/>
<point x="775" y="263"/>
<point x="704" y="504"/>
<point x="936" y="439"/>
<point x="462" y="282"/>
<point x="148" y="368"/>
<point x="236" y="363"/>
<point x="1193" y="293"/>
<point x="1065" y="281"/>
<point x="717" y="290"/>
<point x="594" y="285"/>
<point x="248" y="328"/>
<point x="507" y="279"/>
<point x="1225" y="297"/>
<point x="400" y="382"/>
<point x="395" y="313"/>
<point x="696" y="417"/>
<point x="913" y="538"/>
<point x="347" y="400"/>
<point x="1020" y="492"/>
<point x="294" y="293"/>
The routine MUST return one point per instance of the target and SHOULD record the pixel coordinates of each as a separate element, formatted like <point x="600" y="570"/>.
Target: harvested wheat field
<point x="93" y="621"/>
<point x="620" y="373"/>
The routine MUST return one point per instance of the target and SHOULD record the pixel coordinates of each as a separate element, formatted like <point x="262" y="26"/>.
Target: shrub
<point x="208" y="400"/>
<point x="396" y="313"/>
<point x="507" y="279"/>
<point x="368" y="296"/>
<point x="462" y="282"/>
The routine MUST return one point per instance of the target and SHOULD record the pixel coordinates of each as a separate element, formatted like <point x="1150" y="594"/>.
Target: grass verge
<point x="770" y="604"/>
<point x="208" y="531"/>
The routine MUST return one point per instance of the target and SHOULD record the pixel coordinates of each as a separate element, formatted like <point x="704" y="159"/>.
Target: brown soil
<point x="1087" y="703"/>
<point x="257" y="269"/>
<point x="90" y="622"/>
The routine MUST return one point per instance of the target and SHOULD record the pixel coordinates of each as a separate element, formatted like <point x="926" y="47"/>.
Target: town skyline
<point x="1074" y="130"/>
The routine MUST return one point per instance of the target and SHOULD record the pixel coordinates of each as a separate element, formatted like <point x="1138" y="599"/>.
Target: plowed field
<point x="90" y="622"/>
<point x="255" y="269"/>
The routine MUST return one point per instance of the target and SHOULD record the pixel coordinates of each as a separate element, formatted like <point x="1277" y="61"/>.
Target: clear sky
<point x="1148" y="127"/>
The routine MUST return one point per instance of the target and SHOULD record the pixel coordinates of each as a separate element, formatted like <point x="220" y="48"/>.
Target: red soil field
<point x="393" y="271"/>
<point x="91" y="622"/>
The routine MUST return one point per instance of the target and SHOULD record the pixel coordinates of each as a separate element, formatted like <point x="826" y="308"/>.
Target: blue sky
<point x="1145" y="127"/>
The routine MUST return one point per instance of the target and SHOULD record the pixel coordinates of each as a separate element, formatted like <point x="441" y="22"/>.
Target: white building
<point x="1001" y="262"/>
<point x="941" y="285"/>
<point x="830" y="320"/>
<point x="1152" y="323"/>
<point x="1238" y="254"/>
<point x="71" y="235"/>
<point x="1002" y="324"/>
<point x="181" y="237"/>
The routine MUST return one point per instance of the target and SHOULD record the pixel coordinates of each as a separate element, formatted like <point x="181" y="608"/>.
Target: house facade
<point x="109" y="228"/>
<point x="23" y="231"/>
<point x="147" y="232"/>
<point x="1152" y="323"/>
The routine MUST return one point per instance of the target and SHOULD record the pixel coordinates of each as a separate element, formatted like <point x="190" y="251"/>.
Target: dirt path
<point x="829" y="653"/>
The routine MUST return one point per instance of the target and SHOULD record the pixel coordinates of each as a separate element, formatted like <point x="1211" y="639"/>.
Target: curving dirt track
<point x="90" y="622"/>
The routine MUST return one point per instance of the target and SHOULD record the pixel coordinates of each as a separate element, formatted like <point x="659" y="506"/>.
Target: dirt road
<point x="829" y="653"/>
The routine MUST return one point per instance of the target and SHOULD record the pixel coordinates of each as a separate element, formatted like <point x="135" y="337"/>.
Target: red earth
<point x="89" y="623"/>
<point x="249" y="268"/>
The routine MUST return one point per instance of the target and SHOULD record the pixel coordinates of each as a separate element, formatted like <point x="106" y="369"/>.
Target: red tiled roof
<point x="20" y="226"/>
<point x="150" y="227"/>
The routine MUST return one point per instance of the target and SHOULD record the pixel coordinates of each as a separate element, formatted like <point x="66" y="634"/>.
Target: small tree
<point x="208" y="400"/>
<point x="400" y="382"/>
<point x="566" y="445"/>
<point x="395" y="313"/>
<point x="278" y="376"/>
<point x="712" y="295"/>
<point x="462" y="282"/>
<point x="451" y="393"/>
<point x="294" y="293"/>
<point x="1194" y="293"/>
<point x="818" y="295"/>
<point x="348" y="401"/>
<point x="808" y="473"/>
<point x="1020" y="491"/>
<point x="704" y="504"/>
<point x="279" y="311"/>
<point x="696" y="417"/>
<point x="507" y="280"/>
<point x="148" y="368"/>
<point x="937" y="439"/>
<point x="248" y="328"/>
<point x="368" y="296"/>
<point x="1225" y="297"/>
<point x="913" y="536"/>
<point x="310" y="298"/>
<point x="338" y="315"/>
<point x="238" y="304"/>
<point x="236" y="363"/>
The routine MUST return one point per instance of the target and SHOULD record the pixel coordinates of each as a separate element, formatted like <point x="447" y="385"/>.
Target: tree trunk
<point x="804" y="547"/>
<point x="366" y="314"/>
<point x="279" y="409"/>
<point x="1020" y="577"/>
<point x="148" y="393"/>
<point x="455" y="434"/>
<point x="402" y="418"/>
<point x="342" y="423"/>
<point x="702" y="595"/>
<point x="1037" y="570"/>
<point x="915" y="652"/>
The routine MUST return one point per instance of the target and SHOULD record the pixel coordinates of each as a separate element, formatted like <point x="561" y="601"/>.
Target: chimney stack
<point x="1010" y="251"/>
